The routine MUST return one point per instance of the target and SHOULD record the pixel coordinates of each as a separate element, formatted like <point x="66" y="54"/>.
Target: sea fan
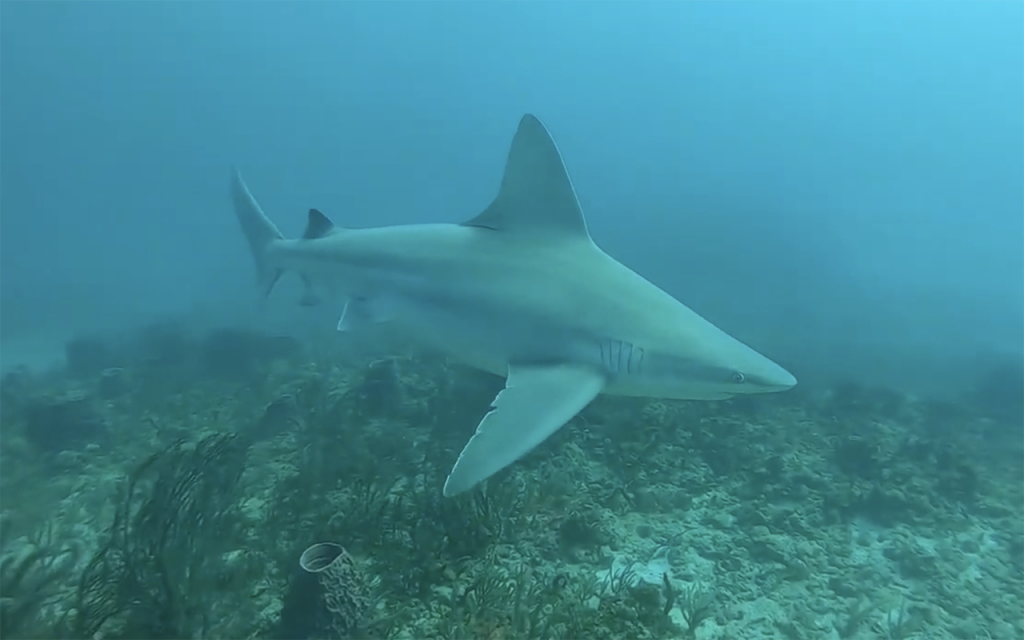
<point x="29" y="580"/>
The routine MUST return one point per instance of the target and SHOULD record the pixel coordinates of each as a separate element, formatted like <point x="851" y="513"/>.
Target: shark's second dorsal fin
<point x="318" y="226"/>
<point x="536" y="195"/>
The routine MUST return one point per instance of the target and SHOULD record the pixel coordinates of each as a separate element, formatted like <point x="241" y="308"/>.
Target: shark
<point x="521" y="291"/>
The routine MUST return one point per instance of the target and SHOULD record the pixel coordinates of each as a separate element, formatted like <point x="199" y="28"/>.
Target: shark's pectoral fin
<point x="536" y="401"/>
<point x="361" y="311"/>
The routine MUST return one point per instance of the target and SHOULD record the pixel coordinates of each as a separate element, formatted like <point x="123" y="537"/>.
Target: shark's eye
<point x="738" y="377"/>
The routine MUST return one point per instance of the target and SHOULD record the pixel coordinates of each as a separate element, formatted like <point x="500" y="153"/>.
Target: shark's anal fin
<point x="536" y="401"/>
<point x="360" y="311"/>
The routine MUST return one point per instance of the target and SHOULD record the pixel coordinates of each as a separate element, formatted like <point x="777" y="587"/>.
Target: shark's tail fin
<point x="258" y="230"/>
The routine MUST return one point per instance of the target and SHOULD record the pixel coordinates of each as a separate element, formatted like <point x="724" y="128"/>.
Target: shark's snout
<point x="786" y="380"/>
<point x="757" y="373"/>
<point x="774" y="378"/>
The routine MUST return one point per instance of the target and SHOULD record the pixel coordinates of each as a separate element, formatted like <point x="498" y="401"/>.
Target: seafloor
<point x="165" y="486"/>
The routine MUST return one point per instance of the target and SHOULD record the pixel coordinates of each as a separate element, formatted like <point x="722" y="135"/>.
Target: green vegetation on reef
<point x="166" y="487"/>
<point x="30" y="580"/>
<point x="149" y="577"/>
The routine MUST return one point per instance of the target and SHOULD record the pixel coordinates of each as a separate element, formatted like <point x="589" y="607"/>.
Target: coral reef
<point x="64" y="421"/>
<point x="856" y="512"/>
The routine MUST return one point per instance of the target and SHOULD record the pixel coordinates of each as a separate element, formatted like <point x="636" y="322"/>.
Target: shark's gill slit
<point x="636" y="358"/>
<point x="606" y="356"/>
<point x="619" y="357"/>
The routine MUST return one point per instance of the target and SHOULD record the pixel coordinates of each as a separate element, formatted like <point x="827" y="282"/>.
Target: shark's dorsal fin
<point x="318" y="226"/>
<point x="536" y="195"/>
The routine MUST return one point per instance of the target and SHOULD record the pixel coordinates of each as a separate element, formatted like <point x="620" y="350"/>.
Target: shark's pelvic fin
<point x="536" y="401"/>
<point x="258" y="230"/>
<point x="309" y="297"/>
<point x="318" y="226"/>
<point x="360" y="311"/>
<point x="536" y="195"/>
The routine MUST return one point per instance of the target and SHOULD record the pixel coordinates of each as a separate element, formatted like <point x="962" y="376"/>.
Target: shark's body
<point x="520" y="291"/>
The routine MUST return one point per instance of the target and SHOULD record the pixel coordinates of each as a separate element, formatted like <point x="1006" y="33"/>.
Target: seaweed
<point x="176" y="513"/>
<point x="900" y="626"/>
<point x="857" y="614"/>
<point x="30" y="580"/>
<point x="696" y="605"/>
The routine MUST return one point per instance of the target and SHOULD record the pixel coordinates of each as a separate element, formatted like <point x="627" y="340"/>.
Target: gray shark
<point x="521" y="291"/>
